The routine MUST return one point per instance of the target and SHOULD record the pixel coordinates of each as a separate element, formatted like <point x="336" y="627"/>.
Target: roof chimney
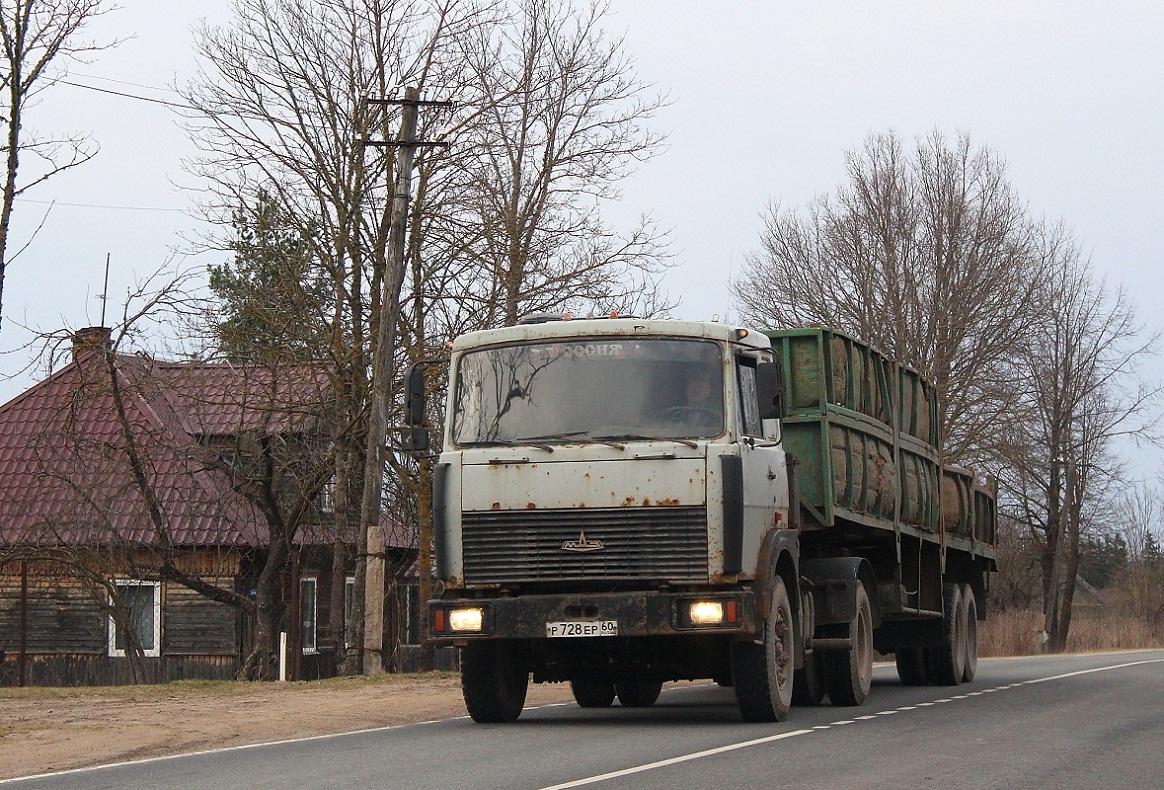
<point x="92" y="338"/>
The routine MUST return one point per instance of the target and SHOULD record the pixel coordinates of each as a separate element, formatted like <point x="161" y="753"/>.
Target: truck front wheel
<point x="762" y="673"/>
<point x="493" y="681"/>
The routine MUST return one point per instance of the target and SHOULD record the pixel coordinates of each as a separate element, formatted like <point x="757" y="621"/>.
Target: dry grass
<point x="1016" y="633"/>
<point x="201" y="689"/>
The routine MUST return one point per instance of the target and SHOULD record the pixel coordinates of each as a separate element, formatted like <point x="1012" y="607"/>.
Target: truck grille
<point x="638" y="543"/>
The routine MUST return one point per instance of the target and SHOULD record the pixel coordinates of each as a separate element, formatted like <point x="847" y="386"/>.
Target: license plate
<point x="582" y="628"/>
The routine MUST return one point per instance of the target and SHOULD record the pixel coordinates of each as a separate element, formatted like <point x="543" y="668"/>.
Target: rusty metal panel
<point x="601" y="483"/>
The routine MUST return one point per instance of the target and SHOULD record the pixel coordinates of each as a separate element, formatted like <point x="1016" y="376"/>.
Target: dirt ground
<point x="43" y="730"/>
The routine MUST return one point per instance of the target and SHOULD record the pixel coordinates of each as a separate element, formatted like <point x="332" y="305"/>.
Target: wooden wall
<point x="66" y="637"/>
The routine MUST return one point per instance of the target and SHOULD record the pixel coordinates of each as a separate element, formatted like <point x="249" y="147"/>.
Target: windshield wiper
<point x="643" y="437"/>
<point x="514" y="443"/>
<point x="580" y="436"/>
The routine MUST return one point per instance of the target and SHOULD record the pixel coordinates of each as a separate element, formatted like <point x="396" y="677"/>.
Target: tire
<point x="592" y="693"/>
<point x="947" y="661"/>
<point x="763" y="674"/>
<point x="639" y="694"/>
<point x="849" y="673"/>
<point x="911" y="666"/>
<point x="808" y="685"/>
<point x="493" y="681"/>
<point x="970" y="621"/>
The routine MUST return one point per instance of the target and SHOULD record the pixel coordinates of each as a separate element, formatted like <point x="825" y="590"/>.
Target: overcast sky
<point x="767" y="97"/>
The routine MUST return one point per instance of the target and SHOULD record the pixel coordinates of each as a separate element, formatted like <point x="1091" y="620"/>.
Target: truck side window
<point x="749" y="403"/>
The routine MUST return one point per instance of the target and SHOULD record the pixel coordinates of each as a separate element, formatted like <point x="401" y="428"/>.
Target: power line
<point x="128" y="95"/>
<point x="123" y="82"/>
<point x="95" y="205"/>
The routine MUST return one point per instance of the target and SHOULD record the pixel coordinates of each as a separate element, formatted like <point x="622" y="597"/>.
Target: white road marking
<point x="782" y="736"/>
<point x="683" y="758"/>
<point x="576" y="783"/>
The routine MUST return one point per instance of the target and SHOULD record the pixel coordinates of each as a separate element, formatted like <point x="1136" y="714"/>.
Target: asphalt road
<point x="1093" y="721"/>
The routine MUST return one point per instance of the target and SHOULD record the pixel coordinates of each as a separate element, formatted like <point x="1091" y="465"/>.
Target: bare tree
<point x="40" y="38"/>
<point x="563" y="120"/>
<point x="1078" y="367"/>
<point x="926" y="255"/>
<point x="282" y="105"/>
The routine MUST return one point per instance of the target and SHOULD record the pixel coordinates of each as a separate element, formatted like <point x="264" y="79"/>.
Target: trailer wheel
<point x="849" y="673"/>
<point x="808" y="685"/>
<point x="592" y="693"/>
<point x="970" y="629"/>
<point x="911" y="666"/>
<point x="947" y="661"/>
<point x="762" y="674"/>
<point x="639" y="694"/>
<point x="493" y="681"/>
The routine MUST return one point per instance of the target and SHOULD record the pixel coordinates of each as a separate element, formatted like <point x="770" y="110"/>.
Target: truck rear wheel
<point x="639" y="694"/>
<point x="762" y="673"/>
<point x="970" y="623"/>
<point x="808" y="686"/>
<point x="911" y="666"/>
<point x="849" y="673"/>
<point x="592" y="693"/>
<point x="947" y="661"/>
<point x="493" y="681"/>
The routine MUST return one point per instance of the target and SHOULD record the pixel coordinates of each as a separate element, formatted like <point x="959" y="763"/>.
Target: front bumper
<point x="638" y="614"/>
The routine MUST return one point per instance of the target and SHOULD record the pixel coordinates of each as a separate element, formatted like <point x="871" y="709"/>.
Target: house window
<point x="308" y="611"/>
<point x="141" y="603"/>
<point x="349" y="601"/>
<point x="326" y="498"/>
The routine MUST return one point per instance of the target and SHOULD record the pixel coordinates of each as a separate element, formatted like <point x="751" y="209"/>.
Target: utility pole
<point x="385" y="351"/>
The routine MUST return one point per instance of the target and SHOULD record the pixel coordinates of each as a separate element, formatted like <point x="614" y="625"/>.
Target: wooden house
<point x="130" y="535"/>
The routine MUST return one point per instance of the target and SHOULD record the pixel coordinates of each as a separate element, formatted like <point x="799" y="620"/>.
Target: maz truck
<point x="623" y="502"/>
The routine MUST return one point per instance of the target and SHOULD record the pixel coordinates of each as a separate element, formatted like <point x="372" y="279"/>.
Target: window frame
<point x="325" y="500"/>
<point x="349" y="600"/>
<point x="156" y="650"/>
<point x="312" y="648"/>
<point x="747" y="401"/>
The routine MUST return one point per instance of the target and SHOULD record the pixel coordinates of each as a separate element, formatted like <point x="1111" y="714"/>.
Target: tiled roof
<point x="64" y="473"/>
<point x="222" y="399"/>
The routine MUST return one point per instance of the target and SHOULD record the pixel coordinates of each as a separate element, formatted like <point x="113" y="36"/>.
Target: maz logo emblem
<point x="583" y="544"/>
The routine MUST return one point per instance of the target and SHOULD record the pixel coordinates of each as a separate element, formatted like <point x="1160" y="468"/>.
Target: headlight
<point x="706" y="612"/>
<point x="466" y="619"/>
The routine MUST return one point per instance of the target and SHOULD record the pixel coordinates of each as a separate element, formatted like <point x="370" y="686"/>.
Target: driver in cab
<point x="700" y="411"/>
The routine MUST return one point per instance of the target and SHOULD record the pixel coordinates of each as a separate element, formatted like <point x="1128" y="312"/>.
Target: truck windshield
<point x="589" y="390"/>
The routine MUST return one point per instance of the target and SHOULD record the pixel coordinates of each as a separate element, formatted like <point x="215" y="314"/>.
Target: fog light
<point x="706" y="612"/>
<point x="465" y="619"/>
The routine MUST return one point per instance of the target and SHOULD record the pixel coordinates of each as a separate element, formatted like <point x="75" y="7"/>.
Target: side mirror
<point x="414" y="396"/>
<point x="771" y="391"/>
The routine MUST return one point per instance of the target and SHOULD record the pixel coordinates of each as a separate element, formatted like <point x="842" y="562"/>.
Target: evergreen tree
<point x="275" y="298"/>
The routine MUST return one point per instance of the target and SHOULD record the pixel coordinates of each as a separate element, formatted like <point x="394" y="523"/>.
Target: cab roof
<point x="612" y="327"/>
